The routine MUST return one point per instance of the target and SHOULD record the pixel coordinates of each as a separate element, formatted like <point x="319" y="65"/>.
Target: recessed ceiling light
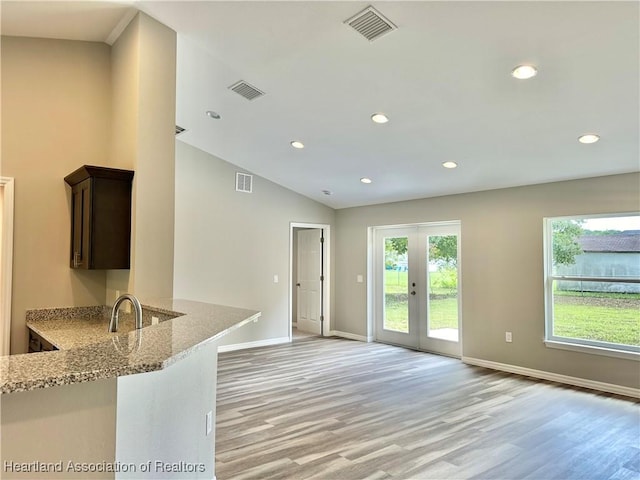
<point x="449" y="164"/>
<point x="524" y="72"/>
<point x="327" y="192"/>
<point x="589" y="138"/>
<point x="365" y="180"/>
<point x="212" y="114"/>
<point x="297" y="144"/>
<point x="379" y="118"/>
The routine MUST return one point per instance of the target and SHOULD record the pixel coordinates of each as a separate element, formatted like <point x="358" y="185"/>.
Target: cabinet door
<point x="80" y="229"/>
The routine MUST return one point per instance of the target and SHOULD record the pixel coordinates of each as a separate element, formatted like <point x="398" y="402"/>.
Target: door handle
<point x="297" y="284"/>
<point x="413" y="292"/>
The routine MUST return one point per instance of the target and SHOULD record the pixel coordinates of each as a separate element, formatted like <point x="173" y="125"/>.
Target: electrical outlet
<point x="209" y="422"/>
<point x="155" y="320"/>
<point x="508" y="337"/>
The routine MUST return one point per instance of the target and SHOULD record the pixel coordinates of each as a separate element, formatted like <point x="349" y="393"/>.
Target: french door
<point x="417" y="291"/>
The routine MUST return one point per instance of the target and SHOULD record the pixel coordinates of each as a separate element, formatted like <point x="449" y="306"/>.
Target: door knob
<point x="413" y="292"/>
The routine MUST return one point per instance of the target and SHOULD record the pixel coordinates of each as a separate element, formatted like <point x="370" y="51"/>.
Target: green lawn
<point x="590" y="318"/>
<point x="443" y="304"/>
<point x="606" y="317"/>
<point x="443" y="313"/>
<point x="396" y="282"/>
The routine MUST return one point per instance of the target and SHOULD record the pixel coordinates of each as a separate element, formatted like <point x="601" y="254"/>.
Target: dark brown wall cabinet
<point x="100" y="217"/>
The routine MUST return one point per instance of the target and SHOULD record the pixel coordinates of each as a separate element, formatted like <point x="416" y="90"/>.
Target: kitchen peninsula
<point x="133" y="404"/>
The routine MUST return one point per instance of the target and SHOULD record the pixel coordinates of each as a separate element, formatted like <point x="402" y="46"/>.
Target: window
<point x="592" y="283"/>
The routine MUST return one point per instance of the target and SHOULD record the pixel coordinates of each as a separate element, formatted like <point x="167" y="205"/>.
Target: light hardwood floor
<point x="336" y="409"/>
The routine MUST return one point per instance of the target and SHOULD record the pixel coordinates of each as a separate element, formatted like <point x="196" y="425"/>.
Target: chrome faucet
<point x="113" y="324"/>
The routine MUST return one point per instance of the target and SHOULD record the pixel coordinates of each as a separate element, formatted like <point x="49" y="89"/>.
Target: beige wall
<point x="144" y="81"/>
<point x="129" y="420"/>
<point x="155" y="167"/>
<point x="229" y="245"/>
<point x="56" y="115"/>
<point x="58" y="102"/>
<point x="502" y="267"/>
<point x="161" y="416"/>
<point x="68" y="423"/>
<point x="1" y="226"/>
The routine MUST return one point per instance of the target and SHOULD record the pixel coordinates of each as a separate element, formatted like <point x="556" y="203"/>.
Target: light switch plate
<point x="155" y="320"/>
<point x="359" y="279"/>
<point x="209" y="422"/>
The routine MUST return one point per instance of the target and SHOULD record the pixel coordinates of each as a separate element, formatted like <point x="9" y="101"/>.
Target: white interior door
<point x="417" y="292"/>
<point x="309" y="284"/>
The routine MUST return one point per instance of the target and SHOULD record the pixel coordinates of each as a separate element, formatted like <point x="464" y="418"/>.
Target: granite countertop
<point x="73" y="327"/>
<point x="89" y="352"/>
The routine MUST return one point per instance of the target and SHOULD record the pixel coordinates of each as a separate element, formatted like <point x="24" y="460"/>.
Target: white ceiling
<point x="443" y="78"/>
<point x="91" y="21"/>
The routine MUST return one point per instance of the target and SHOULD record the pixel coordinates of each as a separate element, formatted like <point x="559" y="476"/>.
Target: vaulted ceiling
<point x="443" y="78"/>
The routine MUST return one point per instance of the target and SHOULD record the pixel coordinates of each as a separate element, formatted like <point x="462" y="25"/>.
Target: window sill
<point x="607" y="352"/>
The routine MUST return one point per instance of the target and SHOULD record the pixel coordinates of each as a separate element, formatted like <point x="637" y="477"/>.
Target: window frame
<point x="570" y="343"/>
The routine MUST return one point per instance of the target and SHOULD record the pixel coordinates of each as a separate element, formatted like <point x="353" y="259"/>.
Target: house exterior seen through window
<point x="592" y="283"/>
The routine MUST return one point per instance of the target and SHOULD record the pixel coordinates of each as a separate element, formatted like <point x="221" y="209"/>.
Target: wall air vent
<point x="179" y="130"/>
<point x="247" y="91"/>
<point x="371" y="24"/>
<point x="244" y="182"/>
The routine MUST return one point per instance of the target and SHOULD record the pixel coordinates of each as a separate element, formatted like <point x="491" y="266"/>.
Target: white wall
<point x="502" y="267"/>
<point x="229" y="245"/>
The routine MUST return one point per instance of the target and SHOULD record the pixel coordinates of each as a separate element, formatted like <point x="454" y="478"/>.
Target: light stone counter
<point x="88" y="352"/>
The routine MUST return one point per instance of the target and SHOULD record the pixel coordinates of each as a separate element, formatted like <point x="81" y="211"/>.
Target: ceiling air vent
<point x="244" y="182"/>
<point x="179" y="130"/>
<point x="247" y="91"/>
<point x="371" y="24"/>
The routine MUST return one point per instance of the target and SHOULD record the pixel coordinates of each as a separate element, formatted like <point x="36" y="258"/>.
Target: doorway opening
<point x="6" y="262"/>
<point x="416" y="296"/>
<point x="309" y="288"/>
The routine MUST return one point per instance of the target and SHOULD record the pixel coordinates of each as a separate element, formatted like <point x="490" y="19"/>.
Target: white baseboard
<point x="259" y="343"/>
<point x="351" y="336"/>
<point x="555" y="377"/>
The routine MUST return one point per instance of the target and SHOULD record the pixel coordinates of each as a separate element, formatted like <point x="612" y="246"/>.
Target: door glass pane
<point x="442" y="284"/>
<point x="396" y="293"/>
